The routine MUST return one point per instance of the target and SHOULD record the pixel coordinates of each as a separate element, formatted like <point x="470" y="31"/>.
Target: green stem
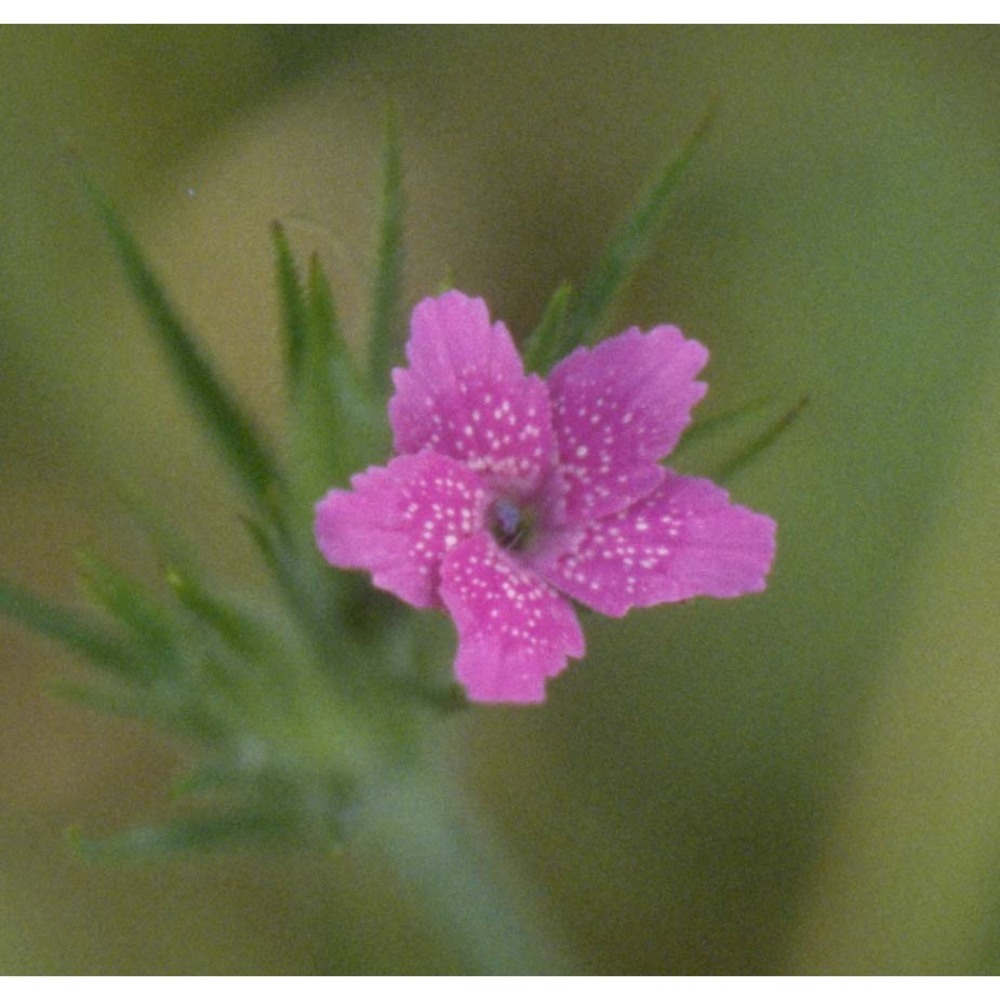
<point x="458" y="871"/>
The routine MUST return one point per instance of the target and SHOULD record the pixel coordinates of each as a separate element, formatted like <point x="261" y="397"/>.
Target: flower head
<point x="510" y="496"/>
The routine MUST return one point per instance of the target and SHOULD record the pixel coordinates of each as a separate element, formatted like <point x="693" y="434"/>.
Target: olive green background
<point x="804" y="781"/>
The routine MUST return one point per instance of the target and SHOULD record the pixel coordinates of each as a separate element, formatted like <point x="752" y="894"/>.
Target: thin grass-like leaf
<point x="314" y="353"/>
<point x="629" y="247"/>
<point x="244" y="633"/>
<point x="214" y="404"/>
<point x="78" y="632"/>
<point x="759" y="444"/>
<point x="167" y="543"/>
<point x="117" y="700"/>
<point x="704" y="428"/>
<point x="325" y="423"/>
<point x="384" y="343"/>
<point x="129" y="602"/>
<point x="329" y="353"/>
<point x="209" y="777"/>
<point x="246" y="828"/>
<point x="546" y="339"/>
<point x="310" y="591"/>
<point x="155" y="709"/>
<point x="324" y="323"/>
<point x="295" y="321"/>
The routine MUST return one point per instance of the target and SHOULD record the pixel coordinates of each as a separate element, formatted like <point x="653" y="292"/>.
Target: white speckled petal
<point x="686" y="539"/>
<point x="514" y="630"/>
<point x="399" y="521"/>
<point x="617" y="410"/>
<point x="465" y="395"/>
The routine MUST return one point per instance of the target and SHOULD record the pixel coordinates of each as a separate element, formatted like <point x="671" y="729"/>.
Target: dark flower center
<point x="510" y="524"/>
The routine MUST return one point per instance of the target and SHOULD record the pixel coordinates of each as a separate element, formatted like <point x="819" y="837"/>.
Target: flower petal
<point x="683" y="540"/>
<point x="399" y="521"/>
<point x="617" y="410"/>
<point x="465" y="395"/>
<point x="514" y="630"/>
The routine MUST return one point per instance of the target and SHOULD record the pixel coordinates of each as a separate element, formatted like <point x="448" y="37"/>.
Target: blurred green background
<point x="806" y="781"/>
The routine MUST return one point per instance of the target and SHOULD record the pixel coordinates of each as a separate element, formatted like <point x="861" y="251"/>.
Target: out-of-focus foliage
<point x="797" y="782"/>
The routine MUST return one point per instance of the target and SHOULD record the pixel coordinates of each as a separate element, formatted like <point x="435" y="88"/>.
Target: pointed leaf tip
<point x="631" y="243"/>
<point x="543" y="344"/>
<point x="384" y="343"/>
<point x="81" y="633"/>
<point x="759" y="444"/>
<point x="209" y="397"/>
<point x="249" y="828"/>
<point x="294" y="321"/>
<point x="704" y="428"/>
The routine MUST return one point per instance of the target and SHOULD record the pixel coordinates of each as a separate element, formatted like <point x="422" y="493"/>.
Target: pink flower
<point x="511" y="495"/>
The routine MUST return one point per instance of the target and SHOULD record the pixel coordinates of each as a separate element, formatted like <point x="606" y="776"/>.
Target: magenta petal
<point x="684" y="540"/>
<point x="617" y="410"/>
<point x="465" y="395"/>
<point x="514" y="630"/>
<point x="399" y="521"/>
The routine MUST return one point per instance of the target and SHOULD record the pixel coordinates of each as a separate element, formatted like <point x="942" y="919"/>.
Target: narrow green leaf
<point x="210" y="776"/>
<point x="760" y="443"/>
<point x="444" y="698"/>
<point x="385" y="309"/>
<point x="704" y="428"/>
<point x="310" y="596"/>
<point x="129" y="602"/>
<point x="124" y="702"/>
<point x="243" y="632"/>
<point x="543" y="346"/>
<point x="109" y="700"/>
<point x="323" y="386"/>
<point x="167" y="544"/>
<point x="325" y="424"/>
<point x="629" y="247"/>
<point x="329" y="353"/>
<point x="324" y="323"/>
<point x="247" y="828"/>
<point x="162" y="709"/>
<point x="295" y="321"/>
<point x="271" y="547"/>
<point x="210" y="398"/>
<point x="280" y="550"/>
<point x="79" y="632"/>
<point x="447" y="282"/>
